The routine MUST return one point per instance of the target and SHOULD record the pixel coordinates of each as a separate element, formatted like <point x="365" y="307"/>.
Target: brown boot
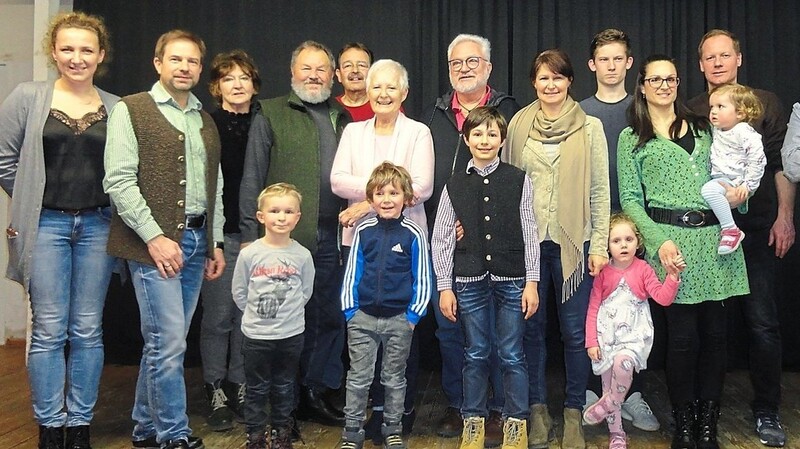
<point x="573" y="431"/>
<point x="541" y="427"/>
<point x="494" y="430"/>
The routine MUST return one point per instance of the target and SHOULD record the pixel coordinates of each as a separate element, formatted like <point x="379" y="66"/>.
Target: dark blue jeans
<point x="476" y="302"/>
<point x="321" y="360"/>
<point x="572" y="320"/>
<point x="270" y="369"/>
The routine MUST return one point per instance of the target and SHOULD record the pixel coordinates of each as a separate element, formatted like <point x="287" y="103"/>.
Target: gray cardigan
<point x="22" y="118"/>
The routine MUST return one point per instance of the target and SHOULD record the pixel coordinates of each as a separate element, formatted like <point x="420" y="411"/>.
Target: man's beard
<point x="466" y="88"/>
<point x="299" y="88"/>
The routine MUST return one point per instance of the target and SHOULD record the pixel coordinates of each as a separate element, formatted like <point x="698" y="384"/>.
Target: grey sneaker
<point x="769" y="429"/>
<point x="393" y="436"/>
<point x="636" y="410"/>
<point x="352" y="439"/>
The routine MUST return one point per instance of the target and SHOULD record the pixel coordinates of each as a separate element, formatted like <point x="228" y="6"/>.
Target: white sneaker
<point x="591" y="398"/>
<point x="636" y="410"/>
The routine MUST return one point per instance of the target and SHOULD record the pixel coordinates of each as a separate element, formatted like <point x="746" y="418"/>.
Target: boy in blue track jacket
<point x="386" y="289"/>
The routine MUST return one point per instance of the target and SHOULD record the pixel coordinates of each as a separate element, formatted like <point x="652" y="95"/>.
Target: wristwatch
<point x="220" y="245"/>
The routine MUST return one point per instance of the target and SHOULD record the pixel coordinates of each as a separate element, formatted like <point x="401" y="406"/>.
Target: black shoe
<point x="219" y="417"/>
<point x="769" y="429"/>
<point x="78" y="438"/>
<point x="707" y="417"/>
<point x="684" y="416"/>
<point x="372" y="428"/>
<point x="408" y="421"/>
<point x="281" y="438"/>
<point x="451" y="423"/>
<point x="295" y="429"/>
<point x="151" y="443"/>
<point x="235" y="394"/>
<point x="313" y="408"/>
<point x="51" y="437"/>
<point x="257" y="441"/>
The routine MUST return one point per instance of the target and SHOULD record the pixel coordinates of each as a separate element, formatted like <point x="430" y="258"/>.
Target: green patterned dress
<point x="672" y="179"/>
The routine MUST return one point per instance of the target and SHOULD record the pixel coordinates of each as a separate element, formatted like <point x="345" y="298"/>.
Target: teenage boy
<point x="493" y="202"/>
<point x="272" y="283"/>
<point x="610" y="59"/>
<point x="386" y="289"/>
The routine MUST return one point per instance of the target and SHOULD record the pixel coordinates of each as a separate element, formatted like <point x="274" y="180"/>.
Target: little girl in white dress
<point x="619" y="328"/>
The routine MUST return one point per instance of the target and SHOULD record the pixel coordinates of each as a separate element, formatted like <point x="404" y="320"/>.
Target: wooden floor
<point x="112" y="424"/>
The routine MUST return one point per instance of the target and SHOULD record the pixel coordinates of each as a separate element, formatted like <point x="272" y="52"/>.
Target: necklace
<point x="466" y="108"/>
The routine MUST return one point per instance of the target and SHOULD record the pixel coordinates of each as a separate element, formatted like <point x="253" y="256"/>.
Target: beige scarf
<point x="574" y="180"/>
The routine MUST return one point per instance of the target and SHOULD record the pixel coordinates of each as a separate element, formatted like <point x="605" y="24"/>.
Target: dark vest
<point x="488" y="209"/>
<point x="294" y="156"/>
<point x="162" y="177"/>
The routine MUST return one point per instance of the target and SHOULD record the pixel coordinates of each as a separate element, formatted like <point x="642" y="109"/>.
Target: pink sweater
<point x="643" y="283"/>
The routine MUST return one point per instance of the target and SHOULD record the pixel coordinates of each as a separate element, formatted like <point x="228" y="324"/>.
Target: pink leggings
<point x="616" y="382"/>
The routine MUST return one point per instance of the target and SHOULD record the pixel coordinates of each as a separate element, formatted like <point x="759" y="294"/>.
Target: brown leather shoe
<point x="494" y="430"/>
<point x="451" y="423"/>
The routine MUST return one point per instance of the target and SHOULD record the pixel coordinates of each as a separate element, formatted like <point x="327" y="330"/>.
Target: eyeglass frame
<point x="661" y="81"/>
<point x="462" y="62"/>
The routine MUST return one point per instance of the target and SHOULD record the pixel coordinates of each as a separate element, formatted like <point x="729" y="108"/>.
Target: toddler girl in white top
<point x="737" y="156"/>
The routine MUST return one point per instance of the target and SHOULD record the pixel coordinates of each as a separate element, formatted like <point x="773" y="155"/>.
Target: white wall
<point x="22" y="25"/>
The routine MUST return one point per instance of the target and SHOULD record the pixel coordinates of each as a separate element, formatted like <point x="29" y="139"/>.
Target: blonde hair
<point x="623" y="218"/>
<point x="279" y="189"/>
<point x="744" y="100"/>
<point x="389" y="173"/>
<point x="83" y="21"/>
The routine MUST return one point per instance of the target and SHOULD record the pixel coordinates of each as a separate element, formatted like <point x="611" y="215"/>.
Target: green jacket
<point x="294" y="156"/>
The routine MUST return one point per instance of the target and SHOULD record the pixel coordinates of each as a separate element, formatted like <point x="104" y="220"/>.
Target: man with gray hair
<point x="469" y="66"/>
<point x="297" y="146"/>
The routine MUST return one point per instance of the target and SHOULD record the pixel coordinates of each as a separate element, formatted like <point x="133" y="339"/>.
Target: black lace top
<point x="73" y="160"/>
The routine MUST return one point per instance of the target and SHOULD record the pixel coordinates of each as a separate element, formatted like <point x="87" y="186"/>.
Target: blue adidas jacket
<point x="389" y="270"/>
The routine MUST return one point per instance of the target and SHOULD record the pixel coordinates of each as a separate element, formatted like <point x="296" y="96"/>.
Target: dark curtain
<point x="416" y="33"/>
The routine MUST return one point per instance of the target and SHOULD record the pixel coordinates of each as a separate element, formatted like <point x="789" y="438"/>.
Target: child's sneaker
<point x="352" y="438"/>
<point x="515" y="434"/>
<point x="597" y="412"/>
<point x="473" y="434"/>
<point x="393" y="436"/>
<point x="729" y="240"/>
<point x="616" y="440"/>
<point x="636" y="410"/>
<point x="257" y="440"/>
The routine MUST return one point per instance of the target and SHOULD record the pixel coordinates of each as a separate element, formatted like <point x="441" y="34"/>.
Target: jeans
<point x="271" y="369"/>
<point x="364" y="333"/>
<point x="221" y="327"/>
<point x="451" y="346"/>
<point x="475" y="301"/>
<point x="70" y="272"/>
<point x="696" y="352"/>
<point x="572" y="320"/>
<point x="760" y="315"/>
<point x="321" y="361"/>
<point x="166" y="306"/>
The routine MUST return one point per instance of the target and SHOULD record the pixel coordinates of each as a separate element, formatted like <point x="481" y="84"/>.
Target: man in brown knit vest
<point x="163" y="176"/>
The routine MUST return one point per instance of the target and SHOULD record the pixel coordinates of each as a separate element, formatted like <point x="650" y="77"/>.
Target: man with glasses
<point x="768" y="222"/>
<point x="469" y="65"/>
<point x="354" y="62"/>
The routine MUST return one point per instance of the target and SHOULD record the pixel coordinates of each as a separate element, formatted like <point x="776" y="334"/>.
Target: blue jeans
<point x="321" y="361"/>
<point x="476" y="301"/>
<point x="166" y="306"/>
<point x="221" y="327"/>
<point x="572" y="320"/>
<point x="271" y="370"/>
<point x="451" y="346"/>
<point x="364" y="334"/>
<point x="70" y="272"/>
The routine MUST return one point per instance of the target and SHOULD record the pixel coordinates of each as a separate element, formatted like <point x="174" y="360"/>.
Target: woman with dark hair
<point x="564" y="152"/>
<point x="663" y="161"/>
<point x="52" y="140"/>
<point x="234" y="83"/>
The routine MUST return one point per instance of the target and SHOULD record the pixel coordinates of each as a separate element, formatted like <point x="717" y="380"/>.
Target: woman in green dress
<point x="663" y="161"/>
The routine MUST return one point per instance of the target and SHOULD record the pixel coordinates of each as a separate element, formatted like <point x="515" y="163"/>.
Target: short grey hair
<point x="385" y="65"/>
<point x="312" y="45"/>
<point x="486" y="46"/>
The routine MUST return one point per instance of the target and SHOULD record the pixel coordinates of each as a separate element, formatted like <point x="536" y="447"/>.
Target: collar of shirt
<point x="486" y="171"/>
<point x="161" y="96"/>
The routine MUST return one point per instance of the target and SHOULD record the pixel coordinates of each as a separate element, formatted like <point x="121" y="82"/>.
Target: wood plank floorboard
<point x="112" y="424"/>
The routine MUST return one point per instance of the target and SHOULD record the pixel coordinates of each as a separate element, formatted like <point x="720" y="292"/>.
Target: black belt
<point x="195" y="221"/>
<point x="688" y="218"/>
<point x="77" y="212"/>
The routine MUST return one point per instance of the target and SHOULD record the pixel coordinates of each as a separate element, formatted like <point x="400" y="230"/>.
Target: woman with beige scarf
<point x="564" y="152"/>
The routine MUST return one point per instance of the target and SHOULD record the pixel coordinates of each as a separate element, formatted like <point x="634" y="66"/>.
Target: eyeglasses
<point x="472" y="63"/>
<point x="656" y="82"/>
